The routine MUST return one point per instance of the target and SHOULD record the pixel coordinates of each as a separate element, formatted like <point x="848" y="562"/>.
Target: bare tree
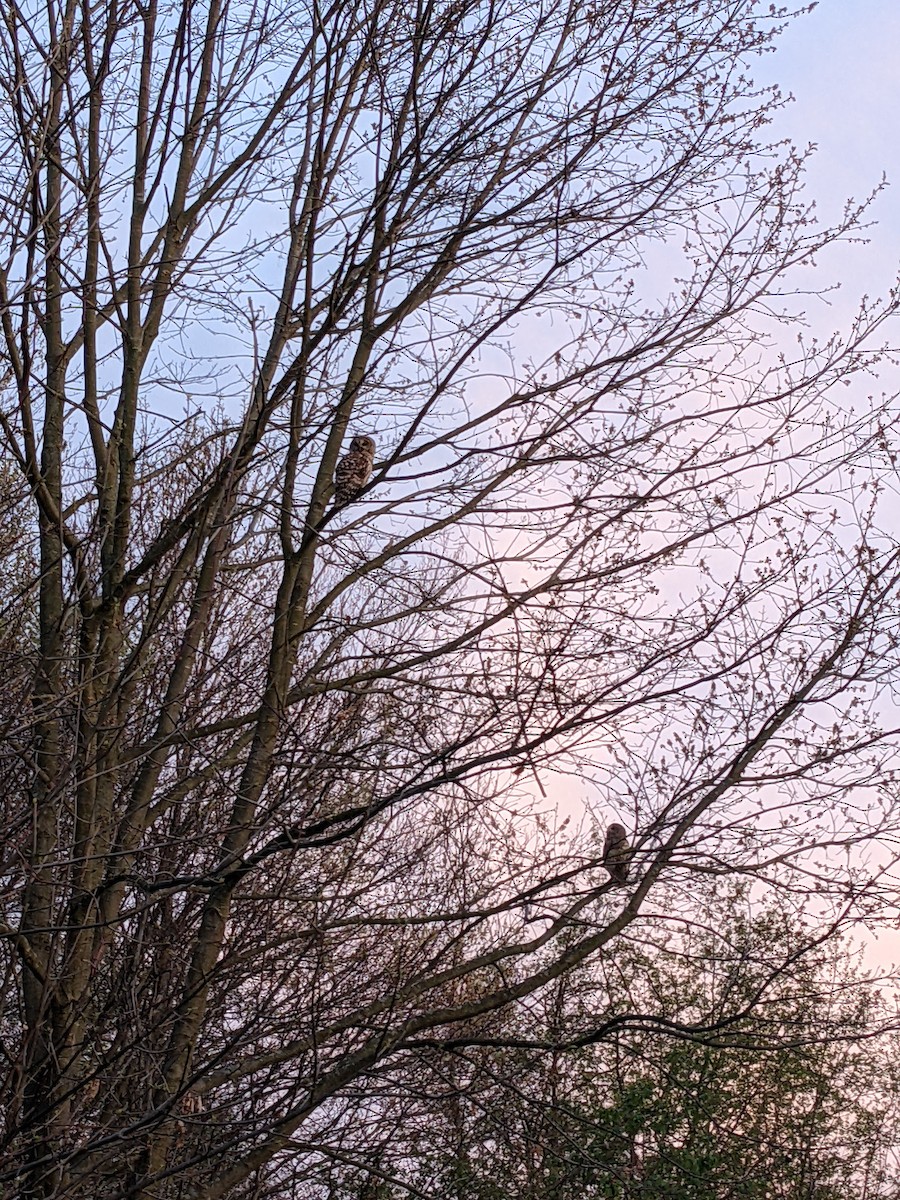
<point x="712" y="1078"/>
<point x="273" y="766"/>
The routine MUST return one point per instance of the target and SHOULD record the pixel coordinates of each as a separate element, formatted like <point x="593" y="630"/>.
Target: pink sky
<point x="842" y="65"/>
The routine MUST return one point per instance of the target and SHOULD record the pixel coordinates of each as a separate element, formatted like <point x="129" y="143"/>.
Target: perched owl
<point x="616" y="853"/>
<point x="354" y="470"/>
<point x="191" y="1104"/>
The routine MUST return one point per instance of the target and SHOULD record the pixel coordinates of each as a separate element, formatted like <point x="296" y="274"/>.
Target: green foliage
<point x="779" y="1100"/>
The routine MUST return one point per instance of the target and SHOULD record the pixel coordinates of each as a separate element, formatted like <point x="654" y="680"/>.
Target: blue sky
<point x="842" y="64"/>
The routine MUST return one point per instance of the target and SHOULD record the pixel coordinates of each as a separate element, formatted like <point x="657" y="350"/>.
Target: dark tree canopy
<point x="762" y="1100"/>
<point x="278" y="775"/>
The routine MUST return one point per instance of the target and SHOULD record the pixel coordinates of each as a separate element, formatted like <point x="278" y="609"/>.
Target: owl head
<point x="616" y="839"/>
<point x="364" y="444"/>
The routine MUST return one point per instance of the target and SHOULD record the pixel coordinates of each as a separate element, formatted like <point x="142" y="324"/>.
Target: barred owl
<point x="353" y="471"/>
<point x="616" y="853"/>
<point x="191" y="1104"/>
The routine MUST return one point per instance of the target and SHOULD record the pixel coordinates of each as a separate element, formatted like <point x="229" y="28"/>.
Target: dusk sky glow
<point x="842" y="65"/>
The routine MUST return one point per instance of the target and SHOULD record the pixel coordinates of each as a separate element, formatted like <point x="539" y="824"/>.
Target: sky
<point x="842" y="65"/>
